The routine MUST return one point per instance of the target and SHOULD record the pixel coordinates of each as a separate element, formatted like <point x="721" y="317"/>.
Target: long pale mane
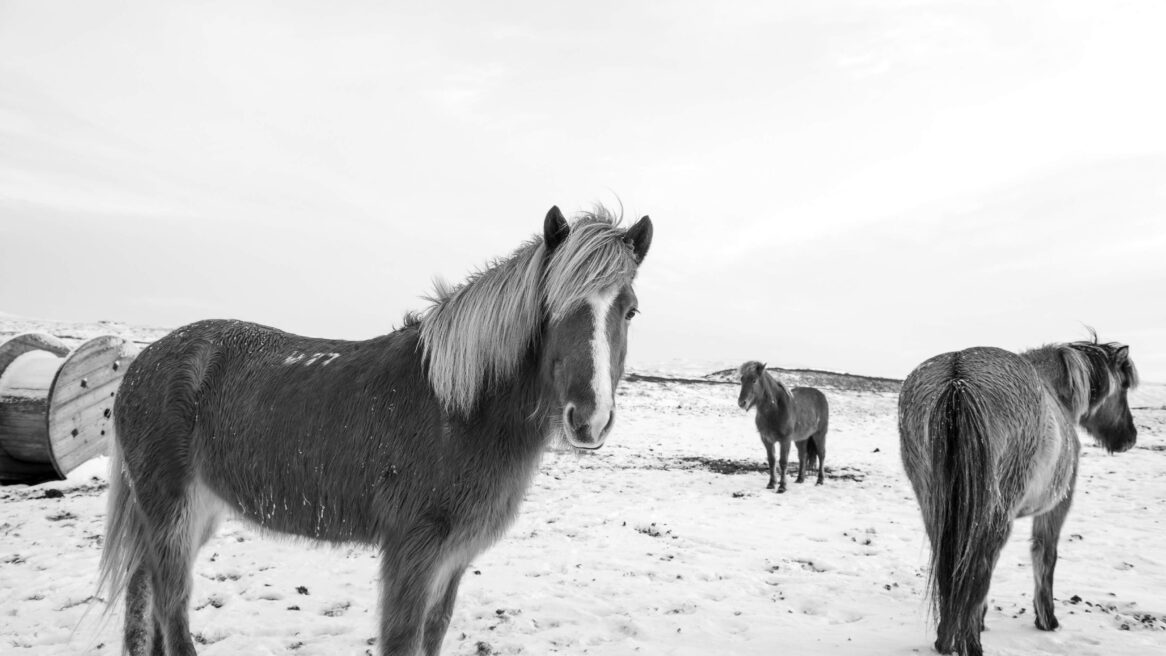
<point x="1084" y="373"/>
<point x="476" y="334"/>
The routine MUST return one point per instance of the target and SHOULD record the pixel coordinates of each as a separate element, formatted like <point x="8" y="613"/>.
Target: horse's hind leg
<point x="143" y="635"/>
<point x="190" y="517"/>
<point x="820" y="447"/>
<point x="1046" y="532"/>
<point x="959" y="630"/>
<point x="801" y="462"/>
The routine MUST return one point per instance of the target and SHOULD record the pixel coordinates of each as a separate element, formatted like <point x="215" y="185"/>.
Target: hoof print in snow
<point x="213" y="602"/>
<point x="337" y="610"/>
<point x="204" y="639"/>
<point x="654" y="531"/>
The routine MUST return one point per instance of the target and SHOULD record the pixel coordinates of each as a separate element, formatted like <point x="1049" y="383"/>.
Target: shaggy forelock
<point x="476" y="334"/>
<point x="1106" y="372"/>
<point x="752" y="366"/>
<point x="595" y="257"/>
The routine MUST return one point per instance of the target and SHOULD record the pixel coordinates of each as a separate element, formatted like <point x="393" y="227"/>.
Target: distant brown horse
<point x="421" y="442"/>
<point x="799" y="416"/>
<point x="988" y="436"/>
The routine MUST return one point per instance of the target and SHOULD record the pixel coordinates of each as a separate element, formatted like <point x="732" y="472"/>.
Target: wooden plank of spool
<point x="24" y="417"/>
<point x="81" y="400"/>
<point x="24" y="453"/>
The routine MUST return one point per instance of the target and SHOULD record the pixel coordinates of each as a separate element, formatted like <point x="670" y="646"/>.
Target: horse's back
<point x="172" y="377"/>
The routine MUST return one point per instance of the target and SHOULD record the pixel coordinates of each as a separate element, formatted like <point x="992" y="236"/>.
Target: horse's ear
<point x="1122" y="354"/>
<point x="640" y="237"/>
<point x="555" y="229"/>
<point x="764" y="366"/>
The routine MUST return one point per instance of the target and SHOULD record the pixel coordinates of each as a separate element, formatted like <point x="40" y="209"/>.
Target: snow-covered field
<point x="663" y="542"/>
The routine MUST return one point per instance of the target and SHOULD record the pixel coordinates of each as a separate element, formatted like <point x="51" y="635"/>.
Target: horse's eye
<point x="631" y="313"/>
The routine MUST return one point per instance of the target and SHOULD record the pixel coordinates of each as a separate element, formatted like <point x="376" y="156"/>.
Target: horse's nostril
<point x="573" y="421"/>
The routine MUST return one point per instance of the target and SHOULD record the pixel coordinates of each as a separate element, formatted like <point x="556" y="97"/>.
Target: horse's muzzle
<point x="587" y="430"/>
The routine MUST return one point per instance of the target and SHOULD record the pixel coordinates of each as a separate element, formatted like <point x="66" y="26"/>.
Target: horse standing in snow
<point x="799" y="416"/>
<point x="988" y="436"/>
<point x="421" y="442"/>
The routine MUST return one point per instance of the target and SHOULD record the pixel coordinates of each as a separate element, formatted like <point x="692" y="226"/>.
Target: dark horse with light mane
<point x="800" y="416"/>
<point x="988" y="436"/>
<point x="421" y="442"/>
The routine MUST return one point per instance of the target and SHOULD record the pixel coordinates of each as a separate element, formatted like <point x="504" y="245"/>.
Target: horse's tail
<point x="123" y="549"/>
<point x="812" y="451"/>
<point x="968" y="522"/>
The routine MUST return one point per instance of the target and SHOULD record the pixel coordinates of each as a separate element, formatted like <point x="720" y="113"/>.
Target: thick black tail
<point x="969" y="524"/>
<point x="812" y="452"/>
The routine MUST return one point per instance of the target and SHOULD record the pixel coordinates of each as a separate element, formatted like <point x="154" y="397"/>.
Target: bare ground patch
<point x="732" y="467"/>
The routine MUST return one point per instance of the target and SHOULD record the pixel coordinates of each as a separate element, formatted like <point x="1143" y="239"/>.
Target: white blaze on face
<point x="601" y="361"/>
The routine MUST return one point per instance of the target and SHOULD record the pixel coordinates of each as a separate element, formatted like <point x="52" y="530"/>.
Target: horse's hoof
<point x="819" y="482"/>
<point x="781" y="489"/>
<point x="1051" y="625"/>
<point x="800" y="480"/>
<point x="770" y="486"/>
<point x="946" y="650"/>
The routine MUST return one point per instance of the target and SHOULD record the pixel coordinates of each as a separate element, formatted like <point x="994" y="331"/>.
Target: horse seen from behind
<point x="421" y="442"/>
<point x="988" y="436"/>
<point x="798" y="416"/>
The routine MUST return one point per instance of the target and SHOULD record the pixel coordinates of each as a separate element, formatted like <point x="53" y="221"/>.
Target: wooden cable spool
<point x="56" y="406"/>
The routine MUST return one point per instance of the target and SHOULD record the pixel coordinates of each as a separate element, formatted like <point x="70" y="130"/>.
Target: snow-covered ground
<point x="663" y="542"/>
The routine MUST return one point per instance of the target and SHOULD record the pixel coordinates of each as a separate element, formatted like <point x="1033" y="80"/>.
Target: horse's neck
<point x="778" y="397"/>
<point x="514" y="408"/>
<point x="1051" y="370"/>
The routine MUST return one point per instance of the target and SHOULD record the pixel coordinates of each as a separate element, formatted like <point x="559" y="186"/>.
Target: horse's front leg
<point x="409" y="568"/>
<point x="772" y="463"/>
<point x="782" y="463"/>
<point x="1046" y="532"/>
<point x="438" y="621"/>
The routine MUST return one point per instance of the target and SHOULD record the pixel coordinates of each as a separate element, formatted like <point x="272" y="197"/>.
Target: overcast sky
<point x="846" y="185"/>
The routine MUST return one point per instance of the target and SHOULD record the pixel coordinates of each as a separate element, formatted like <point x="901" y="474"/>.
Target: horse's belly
<point x="291" y="492"/>
<point x="1050" y="480"/>
<point x="301" y="512"/>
